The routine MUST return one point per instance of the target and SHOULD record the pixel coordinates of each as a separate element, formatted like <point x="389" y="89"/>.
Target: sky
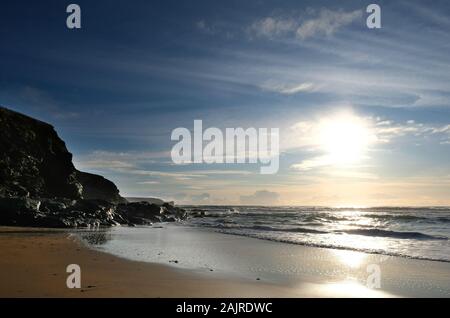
<point x="363" y="114"/>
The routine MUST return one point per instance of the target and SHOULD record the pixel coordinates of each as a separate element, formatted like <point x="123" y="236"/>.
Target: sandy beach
<point x="34" y="264"/>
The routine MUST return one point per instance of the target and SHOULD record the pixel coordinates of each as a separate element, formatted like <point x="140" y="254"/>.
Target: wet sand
<point x="34" y="261"/>
<point x="33" y="264"/>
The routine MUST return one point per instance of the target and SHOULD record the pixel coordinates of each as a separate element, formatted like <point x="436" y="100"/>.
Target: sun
<point x="345" y="138"/>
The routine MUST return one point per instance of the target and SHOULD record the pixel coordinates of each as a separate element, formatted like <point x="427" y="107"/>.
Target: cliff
<point x="39" y="185"/>
<point x="34" y="161"/>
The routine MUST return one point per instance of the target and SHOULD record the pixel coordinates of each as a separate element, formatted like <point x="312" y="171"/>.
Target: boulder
<point x="144" y="213"/>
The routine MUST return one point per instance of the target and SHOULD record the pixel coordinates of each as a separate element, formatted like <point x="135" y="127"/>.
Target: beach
<point x="34" y="264"/>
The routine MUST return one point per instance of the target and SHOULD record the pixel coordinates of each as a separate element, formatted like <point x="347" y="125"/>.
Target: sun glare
<point x="350" y="258"/>
<point x="345" y="138"/>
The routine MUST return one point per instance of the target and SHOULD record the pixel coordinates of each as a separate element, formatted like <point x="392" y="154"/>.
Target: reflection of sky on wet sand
<point x="357" y="265"/>
<point x="326" y="272"/>
<point x="350" y="288"/>
<point x="350" y="258"/>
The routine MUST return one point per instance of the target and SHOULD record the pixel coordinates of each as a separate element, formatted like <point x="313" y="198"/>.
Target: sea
<point x="268" y="244"/>
<point x="421" y="233"/>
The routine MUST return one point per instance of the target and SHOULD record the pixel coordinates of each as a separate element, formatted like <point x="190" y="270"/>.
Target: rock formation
<point x="39" y="185"/>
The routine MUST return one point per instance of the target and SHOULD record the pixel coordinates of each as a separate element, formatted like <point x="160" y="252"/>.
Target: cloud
<point x="116" y="161"/>
<point x="309" y="164"/>
<point x="311" y="23"/>
<point x="104" y="164"/>
<point x="148" y="182"/>
<point x="327" y="23"/>
<point x="139" y="163"/>
<point x="289" y="89"/>
<point x="387" y="131"/>
<point x="429" y="12"/>
<point x="271" y="26"/>
<point x="262" y="197"/>
<point x="324" y="165"/>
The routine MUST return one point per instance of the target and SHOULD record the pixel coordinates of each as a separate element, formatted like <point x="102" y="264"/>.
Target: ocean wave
<point x="336" y="247"/>
<point x="420" y="232"/>
<point x="292" y="230"/>
<point x="360" y="231"/>
<point x="265" y="228"/>
<point x="407" y="218"/>
<point x="394" y="234"/>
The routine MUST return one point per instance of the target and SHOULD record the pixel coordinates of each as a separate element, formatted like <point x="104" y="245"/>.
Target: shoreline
<point x="35" y="264"/>
<point x="35" y="261"/>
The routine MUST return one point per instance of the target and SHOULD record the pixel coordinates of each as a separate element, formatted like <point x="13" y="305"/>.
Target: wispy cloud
<point x="148" y="182"/>
<point x="136" y="163"/>
<point x="428" y="12"/>
<point x="311" y="23"/>
<point x="289" y="89"/>
<point x="388" y="131"/>
<point x="313" y="163"/>
<point x="100" y="159"/>
<point x="327" y="23"/>
<point x="271" y="27"/>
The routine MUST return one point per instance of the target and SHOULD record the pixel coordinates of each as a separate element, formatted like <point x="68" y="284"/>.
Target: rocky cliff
<point x="96" y="187"/>
<point x="34" y="161"/>
<point x="39" y="185"/>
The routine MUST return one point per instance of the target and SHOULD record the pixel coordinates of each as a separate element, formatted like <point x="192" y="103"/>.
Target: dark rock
<point x="156" y="201"/>
<point x="25" y="212"/>
<point x="39" y="185"/>
<point x="172" y="211"/>
<point x="20" y="204"/>
<point x="94" y="213"/>
<point x="34" y="161"/>
<point x="54" y="205"/>
<point x="144" y="213"/>
<point x="140" y="213"/>
<point x="59" y="214"/>
<point x="97" y="187"/>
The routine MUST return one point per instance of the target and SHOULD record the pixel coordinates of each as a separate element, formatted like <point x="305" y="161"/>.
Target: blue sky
<point x="115" y="90"/>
